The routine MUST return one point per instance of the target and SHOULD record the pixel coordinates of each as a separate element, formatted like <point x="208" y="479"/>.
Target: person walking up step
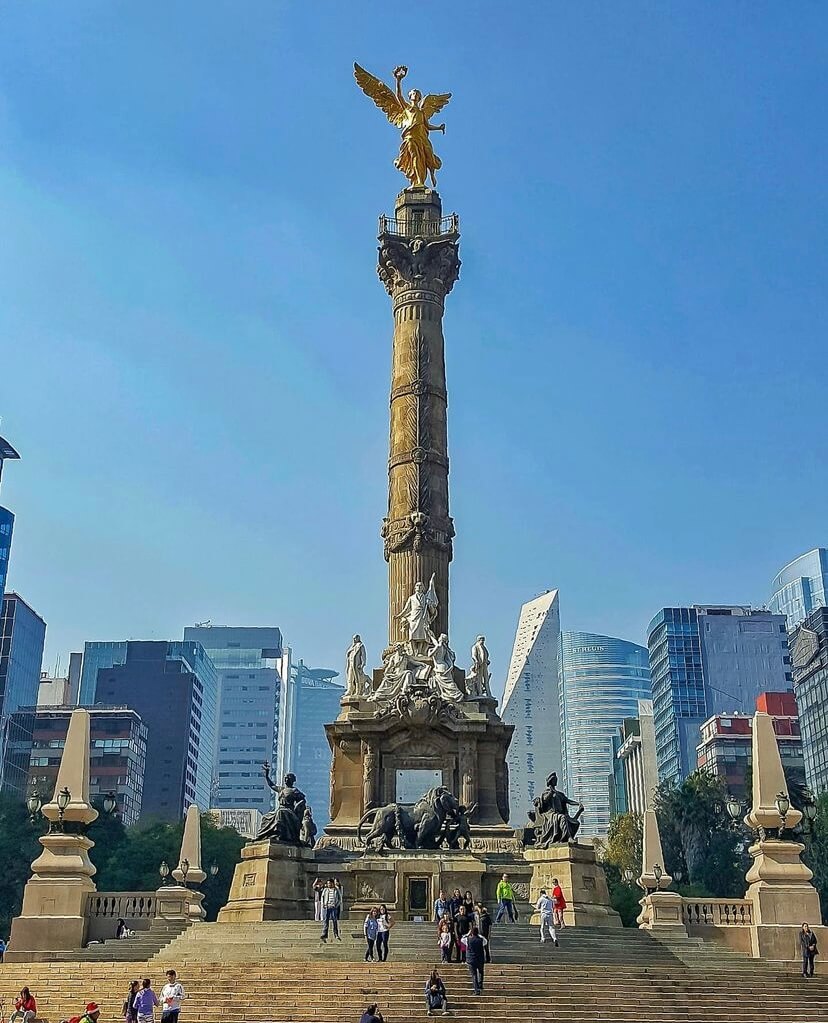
<point x="172" y="995"/>
<point x="558" y="903"/>
<point x="546" y="907"/>
<point x="505" y="900"/>
<point x="475" y="958"/>
<point x="484" y="925"/>
<point x="329" y="901"/>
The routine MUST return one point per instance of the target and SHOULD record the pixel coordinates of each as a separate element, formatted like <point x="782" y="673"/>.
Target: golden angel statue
<point x="417" y="158"/>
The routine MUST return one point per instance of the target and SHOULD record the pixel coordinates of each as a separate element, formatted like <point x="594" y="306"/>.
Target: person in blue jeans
<point x="370" y="929"/>
<point x="330" y="903"/>
<point x="475" y="959"/>
<point x="506" y="900"/>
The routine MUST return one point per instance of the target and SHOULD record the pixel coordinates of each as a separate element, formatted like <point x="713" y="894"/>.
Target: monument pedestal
<point x="271" y="883"/>
<point x="782" y="895"/>
<point x="582" y="879"/>
<point x="660" y="911"/>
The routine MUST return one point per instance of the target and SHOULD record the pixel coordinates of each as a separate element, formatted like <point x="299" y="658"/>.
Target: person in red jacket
<point x="558" y="903"/>
<point x="25" y="1007"/>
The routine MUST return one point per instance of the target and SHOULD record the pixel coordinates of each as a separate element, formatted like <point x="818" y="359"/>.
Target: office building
<point x="117" y="756"/>
<point x="7" y="453"/>
<point x="248" y="720"/>
<point x="602" y="680"/>
<point x="53" y="691"/>
<point x="705" y="660"/>
<point x="801" y="587"/>
<point x="245" y="820"/>
<point x="312" y="700"/>
<point x="531" y="703"/>
<point x="726" y="743"/>
<point x="174" y="687"/>
<point x="636" y="777"/>
<point x="809" y="654"/>
<point x="22" y="635"/>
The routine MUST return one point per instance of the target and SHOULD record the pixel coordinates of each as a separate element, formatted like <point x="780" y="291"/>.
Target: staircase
<point x="277" y="972"/>
<point x="138" y="949"/>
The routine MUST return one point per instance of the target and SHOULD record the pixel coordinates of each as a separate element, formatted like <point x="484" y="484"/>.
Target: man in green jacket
<point x="506" y="900"/>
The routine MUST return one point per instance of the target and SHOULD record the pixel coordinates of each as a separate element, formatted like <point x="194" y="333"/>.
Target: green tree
<point x="815" y="838"/>
<point x="623" y="846"/>
<point x="19" y="846"/>
<point x="698" y="836"/>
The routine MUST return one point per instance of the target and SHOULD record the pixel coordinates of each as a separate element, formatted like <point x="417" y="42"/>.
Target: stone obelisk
<point x="418" y="264"/>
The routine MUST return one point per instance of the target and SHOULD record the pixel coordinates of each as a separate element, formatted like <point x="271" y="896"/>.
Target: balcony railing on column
<point x="412" y="228"/>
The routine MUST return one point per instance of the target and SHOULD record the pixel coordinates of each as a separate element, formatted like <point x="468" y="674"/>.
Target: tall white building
<point x="531" y="703"/>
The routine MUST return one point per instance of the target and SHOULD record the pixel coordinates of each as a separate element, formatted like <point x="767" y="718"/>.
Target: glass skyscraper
<point x="801" y="587"/>
<point x="248" y="716"/>
<point x="6" y="527"/>
<point x="22" y="635"/>
<point x="709" y="659"/>
<point x="311" y="701"/>
<point x="809" y="652"/>
<point x="601" y="681"/>
<point x="531" y="702"/>
<point x="175" y="689"/>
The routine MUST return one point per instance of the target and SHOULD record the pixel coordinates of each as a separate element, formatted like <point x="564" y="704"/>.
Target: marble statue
<point x="552" y="824"/>
<point x="479" y="676"/>
<point x="357" y="683"/>
<point x="284" y="824"/>
<point x="442" y="674"/>
<point x="418" y="612"/>
<point x="417" y="159"/>
<point x="397" y="676"/>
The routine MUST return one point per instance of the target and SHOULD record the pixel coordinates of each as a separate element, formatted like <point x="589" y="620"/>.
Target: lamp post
<point x="64" y="798"/>
<point x="184" y="867"/>
<point x="164" y="871"/>
<point x="629" y="875"/>
<point x="678" y="874"/>
<point x="110" y="803"/>
<point x="734" y="808"/>
<point x="214" y="869"/>
<point x="33" y="805"/>
<point x="657" y="874"/>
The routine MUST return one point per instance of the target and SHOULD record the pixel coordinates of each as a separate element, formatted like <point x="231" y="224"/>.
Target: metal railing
<point x="121" y="905"/>
<point x="717" y="912"/>
<point x="412" y="227"/>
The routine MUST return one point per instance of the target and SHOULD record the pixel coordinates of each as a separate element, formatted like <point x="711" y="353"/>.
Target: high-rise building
<point x="53" y="691"/>
<point x="636" y="757"/>
<point x="22" y="635"/>
<point x="7" y="452"/>
<point x="726" y="747"/>
<point x="709" y="659"/>
<point x="312" y="700"/>
<point x="117" y="755"/>
<point x="248" y="720"/>
<point x="531" y="703"/>
<point x="174" y="687"/>
<point x="602" y="680"/>
<point x="809" y="654"/>
<point x="245" y="820"/>
<point x="801" y="587"/>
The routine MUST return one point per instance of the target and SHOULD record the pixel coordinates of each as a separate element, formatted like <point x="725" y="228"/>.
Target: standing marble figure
<point x="479" y="675"/>
<point x="357" y="682"/>
<point x="418" y="613"/>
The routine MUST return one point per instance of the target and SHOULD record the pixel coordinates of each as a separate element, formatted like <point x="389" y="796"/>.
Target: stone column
<point x="180" y="901"/>
<point x="53" y="917"/>
<point x="467" y="770"/>
<point x="370" y="774"/>
<point x="418" y="264"/>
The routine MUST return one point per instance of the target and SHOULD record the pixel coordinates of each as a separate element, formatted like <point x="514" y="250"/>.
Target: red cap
<point x="92" y="1007"/>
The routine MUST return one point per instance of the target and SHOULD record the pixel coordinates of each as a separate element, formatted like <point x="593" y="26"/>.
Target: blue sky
<point x="195" y="347"/>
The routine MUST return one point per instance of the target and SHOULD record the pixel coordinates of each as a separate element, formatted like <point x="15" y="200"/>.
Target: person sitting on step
<point x="25" y="1007"/>
<point x="371" y="1015"/>
<point x="435" y="994"/>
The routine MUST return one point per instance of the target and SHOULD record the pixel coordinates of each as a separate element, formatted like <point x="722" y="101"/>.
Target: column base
<point x="582" y="879"/>
<point x="271" y="883"/>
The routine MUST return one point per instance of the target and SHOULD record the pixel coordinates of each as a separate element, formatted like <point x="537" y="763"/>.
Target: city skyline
<point x="226" y="353"/>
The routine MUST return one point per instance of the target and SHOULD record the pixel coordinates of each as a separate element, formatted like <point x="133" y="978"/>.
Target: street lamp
<point x="164" y="871"/>
<point x="214" y="869"/>
<point x="783" y="805"/>
<point x="33" y="805"/>
<point x="809" y="808"/>
<point x="110" y="803"/>
<point x="734" y="807"/>
<point x="657" y="873"/>
<point x="184" y="867"/>
<point x="629" y="875"/>
<point x="678" y="874"/>
<point x="64" y="798"/>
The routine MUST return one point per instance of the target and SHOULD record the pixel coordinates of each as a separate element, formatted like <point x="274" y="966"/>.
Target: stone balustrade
<point x="717" y="912"/>
<point x="104" y="909"/>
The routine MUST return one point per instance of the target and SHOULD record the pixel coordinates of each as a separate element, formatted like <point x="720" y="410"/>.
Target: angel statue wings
<point x="417" y="158"/>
